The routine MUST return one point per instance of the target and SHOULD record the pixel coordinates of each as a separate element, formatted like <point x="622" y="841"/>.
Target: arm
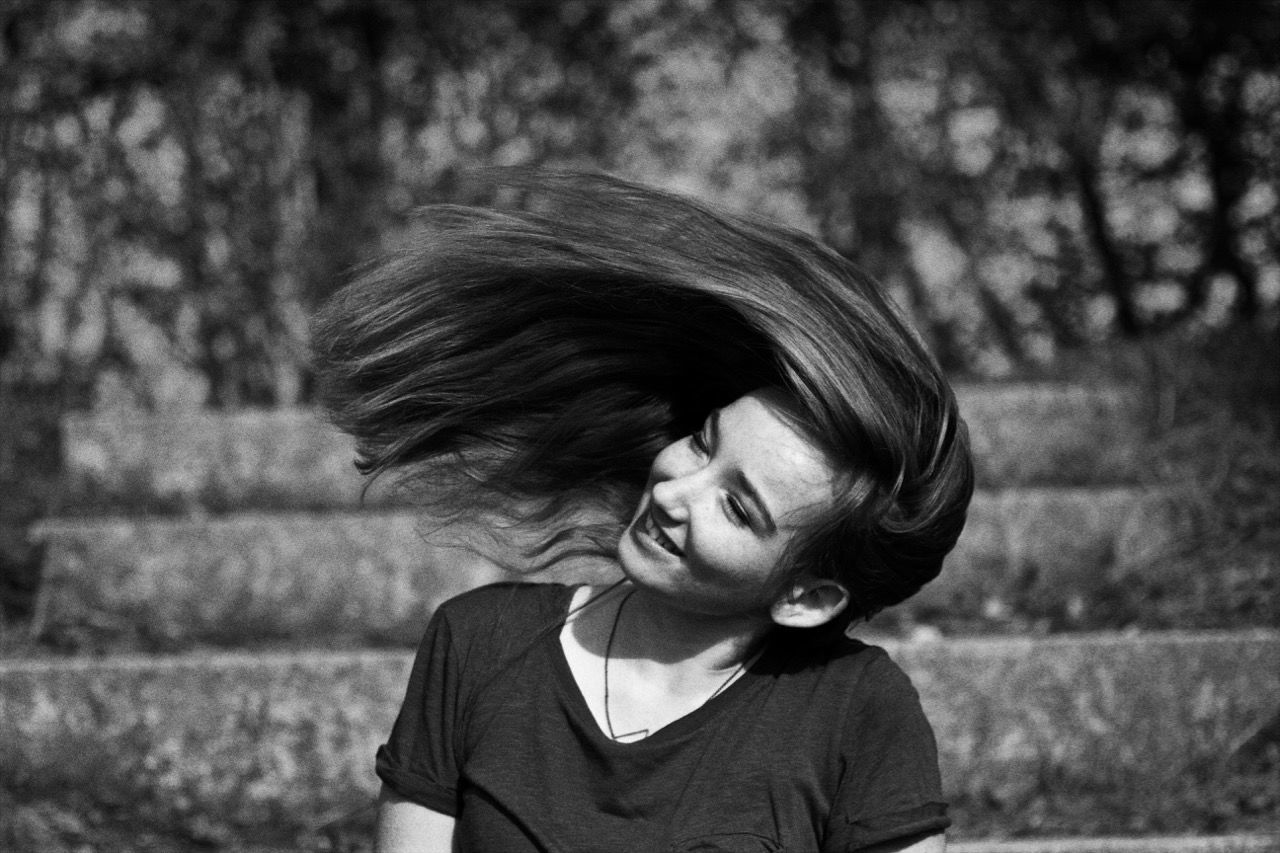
<point x="931" y="844"/>
<point x="891" y="801"/>
<point x="406" y="827"/>
<point x="418" y="757"/>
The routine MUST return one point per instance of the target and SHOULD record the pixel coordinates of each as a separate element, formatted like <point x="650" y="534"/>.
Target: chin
<point x="631" y="556"/>
<point x="639" y="566"/>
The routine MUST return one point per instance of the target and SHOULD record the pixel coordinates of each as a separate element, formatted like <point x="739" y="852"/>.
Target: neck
<point x="667" y="635"/>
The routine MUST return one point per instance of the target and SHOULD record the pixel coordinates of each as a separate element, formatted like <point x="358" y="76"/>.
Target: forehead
<point x="792" y="474"/>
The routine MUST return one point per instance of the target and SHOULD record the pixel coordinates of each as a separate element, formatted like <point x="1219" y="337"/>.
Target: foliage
<point x="1086" y="169"/>
<point x="180" y="182"/>
<point x="1217" y="443"/>
<point x="1040" y="184"/>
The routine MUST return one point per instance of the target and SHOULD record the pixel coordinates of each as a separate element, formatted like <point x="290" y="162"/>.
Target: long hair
<point x="525" y="365"/>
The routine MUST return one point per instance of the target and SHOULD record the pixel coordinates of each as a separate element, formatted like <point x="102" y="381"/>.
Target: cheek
<point x="725" y="553"/>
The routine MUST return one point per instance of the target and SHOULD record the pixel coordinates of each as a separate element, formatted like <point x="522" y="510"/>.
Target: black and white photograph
<point x="640" y="426"/>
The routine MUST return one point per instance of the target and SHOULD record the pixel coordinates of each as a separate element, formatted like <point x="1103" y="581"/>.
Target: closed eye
<point x="737" y="514"/>
<point x="700" y="440"/>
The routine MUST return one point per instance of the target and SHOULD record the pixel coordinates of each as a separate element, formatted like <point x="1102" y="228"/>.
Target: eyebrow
<point x="744" y="484"/>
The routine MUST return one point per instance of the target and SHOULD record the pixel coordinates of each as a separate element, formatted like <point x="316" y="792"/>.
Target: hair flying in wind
<point x="527" y="364"/>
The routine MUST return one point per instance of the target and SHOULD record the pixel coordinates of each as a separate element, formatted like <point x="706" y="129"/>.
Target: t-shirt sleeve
<point x="420" y="761"/>
<point x="890" y="786"/>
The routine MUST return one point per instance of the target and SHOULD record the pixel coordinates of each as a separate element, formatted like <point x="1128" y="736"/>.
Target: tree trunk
<point x="1114" y="277"/>
<point x="872" y="165"/>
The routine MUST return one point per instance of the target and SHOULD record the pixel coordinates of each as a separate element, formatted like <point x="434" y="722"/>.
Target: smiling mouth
<point x="654" y="532"/>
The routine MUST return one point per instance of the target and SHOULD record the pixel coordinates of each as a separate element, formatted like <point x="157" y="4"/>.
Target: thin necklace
<point x="608" y="653"/>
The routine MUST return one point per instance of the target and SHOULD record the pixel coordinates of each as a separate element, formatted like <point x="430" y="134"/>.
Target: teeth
<point x="656" y="534"/>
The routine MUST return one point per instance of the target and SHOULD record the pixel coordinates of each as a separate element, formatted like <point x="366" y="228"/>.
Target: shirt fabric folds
<point x="810" y="750"/>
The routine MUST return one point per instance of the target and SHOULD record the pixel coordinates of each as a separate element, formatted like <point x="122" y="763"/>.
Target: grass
<point x="1205" y="804"/>
<point x="1213" y="435"/>
<point x="1216" y="440"/>
<point x="1213" y="422"/>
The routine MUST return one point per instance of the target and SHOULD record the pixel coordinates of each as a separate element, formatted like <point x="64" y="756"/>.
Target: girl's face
<point x="722" y="505"/>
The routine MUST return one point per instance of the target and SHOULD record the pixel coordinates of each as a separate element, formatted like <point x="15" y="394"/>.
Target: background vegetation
<point x="1050" y="189"/>
<point x="1082" y="190"/>
<point x="180" y="182"/>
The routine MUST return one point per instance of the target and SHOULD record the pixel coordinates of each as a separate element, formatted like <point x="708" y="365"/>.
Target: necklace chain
<point x="608" y="653"/>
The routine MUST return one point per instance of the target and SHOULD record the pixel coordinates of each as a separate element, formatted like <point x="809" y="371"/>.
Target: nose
<point x="673" y="492"/>
<point x="668" y="506"/>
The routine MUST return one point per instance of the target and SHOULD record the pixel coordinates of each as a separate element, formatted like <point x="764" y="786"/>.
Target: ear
<point x="809" y="603"/>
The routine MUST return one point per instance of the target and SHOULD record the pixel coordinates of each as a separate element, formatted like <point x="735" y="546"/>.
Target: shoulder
<point x="845" y="657"/>
<point x="883" y="683"/>
<point x="501" y="618"/>
<point x="857" y="676"/>
<point x="500" y="602"/>
<point x="881" y="712"/>
<point x="876" y="666"/>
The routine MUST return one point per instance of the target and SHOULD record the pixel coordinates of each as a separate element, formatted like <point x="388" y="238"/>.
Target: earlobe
<point x="809" y="603"/>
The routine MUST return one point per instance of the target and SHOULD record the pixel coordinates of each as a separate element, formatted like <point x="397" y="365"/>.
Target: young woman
<point x="739" y="424"/>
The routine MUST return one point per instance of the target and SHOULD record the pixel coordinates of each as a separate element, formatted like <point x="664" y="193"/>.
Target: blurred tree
<point x="1091" y="160"/>
<point x="180" y="182"/>
<point x="865" y="210"/>
<point x="203" y="170"/>
<point x="1156" y="104"/>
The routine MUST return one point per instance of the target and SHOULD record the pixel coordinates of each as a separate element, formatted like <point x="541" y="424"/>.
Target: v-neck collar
<point x="679" y="728"/>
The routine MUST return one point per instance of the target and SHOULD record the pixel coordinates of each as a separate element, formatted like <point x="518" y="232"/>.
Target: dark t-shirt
<point x="807" y="751"/>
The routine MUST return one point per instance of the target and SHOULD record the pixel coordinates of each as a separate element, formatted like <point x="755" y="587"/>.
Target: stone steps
<point x="242" y="530"/>
<point x="372" y="576"/>
<point x="1152" y="844"/>
<point x="253" y="739"/>
<point x="173" y="461"/>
